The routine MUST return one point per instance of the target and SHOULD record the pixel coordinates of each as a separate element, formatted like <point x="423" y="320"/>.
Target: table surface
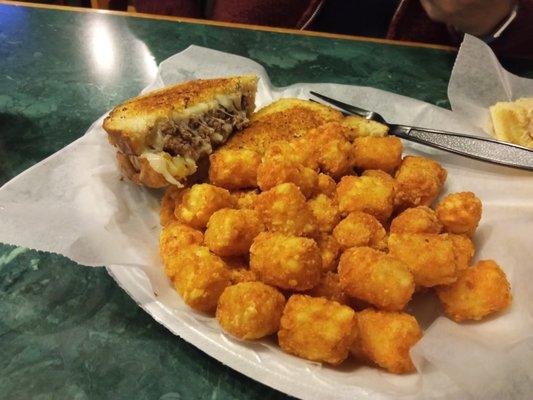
<point x="68" y="331"/>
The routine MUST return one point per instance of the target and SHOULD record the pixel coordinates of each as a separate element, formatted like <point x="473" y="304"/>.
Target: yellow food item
<point x="273" y="172"/>
<point x="335" y="154"/>
<point x="463" y="249"/>
<point x="355" y="126"/>
<point x="360" y="229"/>
<point x="329" y="288"/>
<point x="377" y="173"/>
<point x="288" y="227"/>
<point x="238" y="275"/>
<point x="283" y="209"/>
<point x="513" y="121"/>
<point x="234" y="169"/>
<point x="200" y="202"/>
<point x="153" y="132"/>
<point x="250" y="310"/>
<point x="317" y="329"/>
<point x="287" y="262"/>
<point x="200" y="277"/>
<point x="385" y="338"/>
<point x="326" y="185"/>
<point x="231" y="232"/>
<point x="329" y="250"/>
<point x="174" y="237"/>
<point x="419" y="180"/>
<point x="298" y="151"/>
<point x="460" y="213"/>
<point x="284" y="119"/>
<point x="375" y="277"/>
<point x="245" y="198"/>
<point x="479" y="291"/>
<point x="382" y="153"/>
<point x="172" y="196"/>
<point x="419" y="219"/>
<point x="326" y="212"/>
<point x="369" y="194"/>
<point x="430" y="257"/>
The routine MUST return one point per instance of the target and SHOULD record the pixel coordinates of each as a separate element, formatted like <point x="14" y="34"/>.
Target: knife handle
<point x="478" y="148"/>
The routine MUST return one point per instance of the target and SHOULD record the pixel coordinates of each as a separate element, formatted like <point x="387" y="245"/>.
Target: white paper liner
<point x="76" y="204"/>
<point x="479" y="81"/>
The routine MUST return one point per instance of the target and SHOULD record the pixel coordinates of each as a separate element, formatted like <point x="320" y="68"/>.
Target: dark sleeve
<point x="517" y="40"/>
<point x="290" y="14"/>
<point x="180" y="8"/>
<point x="410" y="22"/>
<point x="281" y="13"/>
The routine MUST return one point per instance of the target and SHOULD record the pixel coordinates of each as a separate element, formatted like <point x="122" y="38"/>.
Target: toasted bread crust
<point x="129" y="124"/>
<point x="284" y="119"/>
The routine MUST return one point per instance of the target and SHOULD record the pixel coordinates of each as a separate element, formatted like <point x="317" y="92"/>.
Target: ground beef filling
<point x="197" y="136"/>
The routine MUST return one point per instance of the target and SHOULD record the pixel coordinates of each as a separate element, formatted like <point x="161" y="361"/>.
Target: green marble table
<point x="68" y="331"/>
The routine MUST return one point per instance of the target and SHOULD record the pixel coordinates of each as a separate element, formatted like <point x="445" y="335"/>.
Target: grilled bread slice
<point x="284" y="119"/>
<point x="161" y="135"/>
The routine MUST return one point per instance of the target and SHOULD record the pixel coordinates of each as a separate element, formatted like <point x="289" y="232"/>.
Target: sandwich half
<point x="160" y="136"/>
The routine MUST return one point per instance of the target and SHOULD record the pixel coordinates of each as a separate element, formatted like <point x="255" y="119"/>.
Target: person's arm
<point x="476" y="17"/>
<point x="412" y="22"/>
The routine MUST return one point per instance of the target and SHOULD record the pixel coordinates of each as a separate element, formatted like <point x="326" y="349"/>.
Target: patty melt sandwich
<point x="160" y="136"/>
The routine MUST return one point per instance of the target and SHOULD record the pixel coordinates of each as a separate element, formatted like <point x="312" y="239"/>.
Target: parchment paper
<point x="75" y="203"/>
<point x="478" y="81"/>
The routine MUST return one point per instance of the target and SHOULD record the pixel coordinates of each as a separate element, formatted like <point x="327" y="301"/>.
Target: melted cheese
<point x="228" y="101"/>
<point x="177" y="168"/>
<point x="172" y="168"/>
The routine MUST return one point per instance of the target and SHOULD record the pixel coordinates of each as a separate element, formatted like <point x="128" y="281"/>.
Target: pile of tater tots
<point x="322" y="240"/>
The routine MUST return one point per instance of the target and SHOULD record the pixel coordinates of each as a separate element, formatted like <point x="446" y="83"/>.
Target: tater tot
<point x="299" y="151"/>
<point x="360" y="229"/>
<point x="234" y="168"/>
<point x="168" y="203"/>
<point x="419" y="219"/>
<point x="284" y="209"/>
<point x="239" y="269"/>
<point x="200" y="277"/>
<point x="329" y="288"/>
<point x="326" y="212"/>
<point x="273" y="172"/>
<point x="288" y="262"/>
<point x="375" y="277"/>
<point x="377" y="173"/>
<point x="356" y="126"/>
<point x="369" y="194"/>
<point x="479" y="291"/>
<point x="430" y="257"/>
<point x="335" y="154"/>
<point x="231" y="232"/>
<point x="200" y="202"/>
<point x="463" y="249"/>
<point x="385" y="339"/>
<point x="176" y="236"/>
<point x="238" y="275"/>
<point x="460" y="213"/>
<point x="317" y="329"/>
<point x="245" y="198"/>
<point x="329" y="250"/>
<point x="384" y="153"/>
<point x="418" y="182"/>
<point x="250" y="310"/>
<point x="326" y="185"/>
